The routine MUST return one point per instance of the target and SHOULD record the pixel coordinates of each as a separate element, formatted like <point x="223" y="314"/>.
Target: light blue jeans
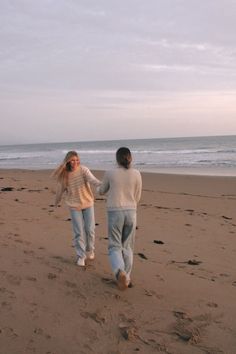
<point x="121" y="235"/>
<point x="83" y="224"/>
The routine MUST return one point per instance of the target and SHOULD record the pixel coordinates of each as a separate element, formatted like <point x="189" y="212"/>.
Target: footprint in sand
<point x="8" y="332"/>
<point x="39" y="331"/>
<point x="224" y="275"/>
<point x="51" y="276"/>
<point x="153" y="293"/>
<point x="212" y="304"/>
<point x="96" y="316"/>
<point x="160" y="277"/>
<point x="5" y="245"/>
<point x="190" y="329"/>
<point x="128" y="331"/>
<point x="110" y="282"/>
<point x="62" y="259"/>
<point x="10" y="294"/>
<point x="191" y="211"/>
<point x="180" y="315"/>
<point x="34" y="308"/>
<point x="19" y="241"/>
<point x="6" y="305"/>
<point x="69" y="284"/>
<point x="31" y="278"/>
<point x="128" y="328"/>
<point x="14" y="279"/>
<point x="184" y="328"/>
<point x="29" y="252"/>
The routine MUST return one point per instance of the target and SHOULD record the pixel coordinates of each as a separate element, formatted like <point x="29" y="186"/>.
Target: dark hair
<point x="124" y="157"/>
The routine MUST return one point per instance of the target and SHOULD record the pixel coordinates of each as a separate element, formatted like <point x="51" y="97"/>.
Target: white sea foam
<point x="212" y="153"/>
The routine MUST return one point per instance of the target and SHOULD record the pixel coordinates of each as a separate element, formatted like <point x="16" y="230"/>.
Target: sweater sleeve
<point x="138" y="189"/>
<point x="105" y="185"/>
<point x="89" y="177"/>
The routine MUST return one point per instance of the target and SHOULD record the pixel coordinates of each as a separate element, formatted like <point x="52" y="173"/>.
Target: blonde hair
<point x="62" y="171"/>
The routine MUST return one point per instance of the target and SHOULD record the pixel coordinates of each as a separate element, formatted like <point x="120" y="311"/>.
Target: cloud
<point x="114" y="60"/>
<point x="169" y="68"/>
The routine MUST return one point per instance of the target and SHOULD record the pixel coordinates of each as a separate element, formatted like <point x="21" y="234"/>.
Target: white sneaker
<point x="91" y="255"/>
<point x="81" y="262"/>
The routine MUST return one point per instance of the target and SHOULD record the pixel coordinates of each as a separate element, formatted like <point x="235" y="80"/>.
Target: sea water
<point x="194" y="155"/>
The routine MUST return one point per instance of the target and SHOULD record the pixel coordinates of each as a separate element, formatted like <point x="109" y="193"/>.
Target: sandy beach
<point x="184" y="275"/>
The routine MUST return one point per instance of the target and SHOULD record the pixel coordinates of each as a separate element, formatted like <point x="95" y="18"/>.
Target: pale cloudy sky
<point x="73" y="70"/>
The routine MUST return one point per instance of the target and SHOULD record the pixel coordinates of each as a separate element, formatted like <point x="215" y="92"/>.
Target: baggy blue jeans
<point x="121" y="236"/>
<point x="83" y="224"/>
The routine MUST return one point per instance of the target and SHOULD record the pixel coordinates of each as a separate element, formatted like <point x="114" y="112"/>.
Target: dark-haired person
<point x="123" y="186"/>
<point x="73" y="180"/>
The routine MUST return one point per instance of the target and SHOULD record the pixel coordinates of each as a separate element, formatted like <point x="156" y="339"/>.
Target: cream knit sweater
<point x="78" y="193"/>
<point x="123" y="188"/>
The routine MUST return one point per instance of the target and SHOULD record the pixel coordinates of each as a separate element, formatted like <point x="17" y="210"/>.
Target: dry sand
<point x="184" y="275"/>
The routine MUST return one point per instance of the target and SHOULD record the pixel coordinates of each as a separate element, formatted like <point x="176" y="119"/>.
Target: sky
<point x="81" y="70"/>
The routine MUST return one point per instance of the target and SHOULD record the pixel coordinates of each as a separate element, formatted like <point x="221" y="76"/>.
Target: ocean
<point x="215" y="155"/>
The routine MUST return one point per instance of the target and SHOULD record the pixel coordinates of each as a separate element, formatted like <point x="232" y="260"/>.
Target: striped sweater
<point x="78" y="193"/>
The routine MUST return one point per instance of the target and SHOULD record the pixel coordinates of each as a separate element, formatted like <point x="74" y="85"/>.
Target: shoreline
<point x="211" y="172"/>
<point x="194" y="171"/>
<point x="184" y="271"/>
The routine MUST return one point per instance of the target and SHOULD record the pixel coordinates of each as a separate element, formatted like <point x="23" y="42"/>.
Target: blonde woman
<point x="73" y="181"/>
